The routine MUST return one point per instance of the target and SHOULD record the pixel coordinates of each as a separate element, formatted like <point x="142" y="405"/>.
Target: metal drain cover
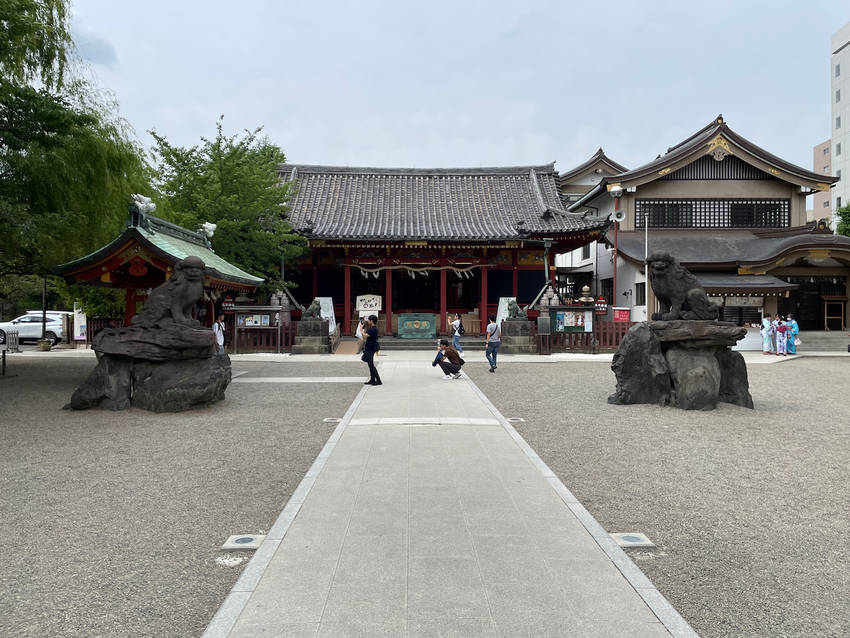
<point x="331" y="419"/>
<point x="632" y="539"/>
<point x="516" y="419"/>
<point x="244" y="541"/>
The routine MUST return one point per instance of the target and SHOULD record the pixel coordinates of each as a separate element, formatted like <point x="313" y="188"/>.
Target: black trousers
<point x="369" y="358"/>
<point x="449" y="368"/>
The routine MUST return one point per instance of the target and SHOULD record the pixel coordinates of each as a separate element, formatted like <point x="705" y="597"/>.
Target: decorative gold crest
<point x="718" y="148"/>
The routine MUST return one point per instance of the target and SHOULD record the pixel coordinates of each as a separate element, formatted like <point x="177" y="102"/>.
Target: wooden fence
<point x="264" y="339"/>
<point x="606" y="336"/>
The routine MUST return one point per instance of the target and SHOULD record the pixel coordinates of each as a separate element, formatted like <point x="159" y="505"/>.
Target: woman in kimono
<point x="781" y="337"/>
<point x="793" y="331"/>
<point x="767" y="335"/>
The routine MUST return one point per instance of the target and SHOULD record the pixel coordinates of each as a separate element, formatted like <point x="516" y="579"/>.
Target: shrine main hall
<point x="434" y="241"/>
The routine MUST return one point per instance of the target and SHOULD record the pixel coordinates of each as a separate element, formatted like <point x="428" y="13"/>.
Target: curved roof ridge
<point x="372" y="170"/>
<point x="598" y="156"/>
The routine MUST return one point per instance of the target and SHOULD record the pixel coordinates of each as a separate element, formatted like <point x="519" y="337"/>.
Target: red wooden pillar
<point x="346" y="325"/>
<point x="443" y="307"/>
<point x="515" y="279"/>
<point x="388" y="330"/>
<point x="483" y="310"/>
<point x="129" y="305"/>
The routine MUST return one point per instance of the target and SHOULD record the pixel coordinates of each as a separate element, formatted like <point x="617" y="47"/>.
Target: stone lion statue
<point x="175" y="299"/>
<point x="313" y="311"/>
<point x="514" y="310"/>
<point x="680" y="294"/>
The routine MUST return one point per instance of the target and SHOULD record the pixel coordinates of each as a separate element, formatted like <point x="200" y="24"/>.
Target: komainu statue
<point x="515" y="311"/>
<point x="165" y="361"/>
<point x="314" y="310"/>
<point x="679" y="293"/>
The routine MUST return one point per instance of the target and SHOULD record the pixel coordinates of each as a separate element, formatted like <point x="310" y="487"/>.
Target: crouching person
<point x="449" y="360"/>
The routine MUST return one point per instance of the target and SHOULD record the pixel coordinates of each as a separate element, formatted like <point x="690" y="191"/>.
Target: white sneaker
<point x="456" y="376"/>
<point x="448" y="376"/>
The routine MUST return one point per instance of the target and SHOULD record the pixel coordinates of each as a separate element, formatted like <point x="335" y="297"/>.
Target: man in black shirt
<point x="370" y="348"/>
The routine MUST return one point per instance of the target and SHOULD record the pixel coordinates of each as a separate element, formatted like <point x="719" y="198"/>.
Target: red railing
<point x="606" y="335"/>
<point x="264" y="339"/>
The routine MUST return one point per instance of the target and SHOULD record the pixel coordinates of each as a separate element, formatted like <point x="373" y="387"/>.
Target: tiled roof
<point x="172" y="242"/>
<point x="429" y="204"/>
<point x="598" y="158"/>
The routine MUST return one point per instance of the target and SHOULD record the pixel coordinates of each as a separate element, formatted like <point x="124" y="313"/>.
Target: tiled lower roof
<point x="429" y="204"/>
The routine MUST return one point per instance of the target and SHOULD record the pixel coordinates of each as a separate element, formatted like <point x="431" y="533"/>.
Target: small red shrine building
<point x="429" y="240"/>
<point x="143" y="256"/>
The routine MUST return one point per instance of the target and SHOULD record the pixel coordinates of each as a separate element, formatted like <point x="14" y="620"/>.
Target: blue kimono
<point x="793" y="330"/>
<point x="767" y="344"/>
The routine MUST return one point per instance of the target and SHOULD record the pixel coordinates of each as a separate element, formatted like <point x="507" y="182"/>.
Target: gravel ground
<point x="113" y="521"/>
<point x="748" y="508"/>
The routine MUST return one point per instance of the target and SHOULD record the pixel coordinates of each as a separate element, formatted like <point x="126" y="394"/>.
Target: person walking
<point x="493" y="342"/>
<point x="370" y="329"/>
<point x="457" y="331"/>
<point x="793" y="331"/>
<point x="218" y="331"/>
<point x="448" y="359"/>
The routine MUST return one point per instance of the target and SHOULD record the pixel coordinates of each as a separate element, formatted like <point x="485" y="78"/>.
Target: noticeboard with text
<point x="622" y="314"/>
<point x="571" y="321"/>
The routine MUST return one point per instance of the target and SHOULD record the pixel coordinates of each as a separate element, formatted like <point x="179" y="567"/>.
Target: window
<point x="838" y="148"/>
<point x="640" y="294"/>
<point x="838" y="122"/>
<point x="826" y="170"/>
<point x="837" y="203"/>
<point x="607" y="289"/>
<point x="826" y="203"/>
<point x="713" y="213"/>
<point x="837" y="95"/>
<point x="585" y="251"/>
<point x="826" y="150"/>
<point x="837" y="70"/>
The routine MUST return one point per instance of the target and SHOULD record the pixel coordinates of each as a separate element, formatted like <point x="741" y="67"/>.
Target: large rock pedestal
<point x="168" y="368"/>
<point x="516" y="337"/>
<point x="312" y="337"/>
<point x="685" y="364"/>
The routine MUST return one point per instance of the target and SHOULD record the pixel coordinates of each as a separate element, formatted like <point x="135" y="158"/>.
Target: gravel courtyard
<point x="748" y="508"/>
<point x="113" y="521"/>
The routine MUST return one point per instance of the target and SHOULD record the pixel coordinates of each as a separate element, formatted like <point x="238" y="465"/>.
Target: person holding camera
<point x="449" y="360"/>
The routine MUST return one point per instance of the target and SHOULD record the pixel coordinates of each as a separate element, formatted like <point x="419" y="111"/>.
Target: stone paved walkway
<point x="427" y="515"/>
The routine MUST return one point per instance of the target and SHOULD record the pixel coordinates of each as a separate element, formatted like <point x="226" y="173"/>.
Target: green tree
<point x="35" y="41"/>
<point x="232" y="182"/>
<point x="844" y="220"/>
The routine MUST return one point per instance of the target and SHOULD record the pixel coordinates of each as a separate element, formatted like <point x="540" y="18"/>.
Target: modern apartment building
<point x="840" y="100"/>
<point x="821" y="200"/>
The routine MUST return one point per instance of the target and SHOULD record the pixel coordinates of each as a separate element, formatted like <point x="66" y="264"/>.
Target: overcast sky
<point x="468" y="83"/>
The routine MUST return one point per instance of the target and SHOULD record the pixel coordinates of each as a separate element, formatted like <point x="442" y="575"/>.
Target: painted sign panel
<point x="502" y="312"/>
<point x="621" y="314"/>
<point x="417" y="325"/>
<point x="368" y="302"/>
<point x="79" y="323"/>
<point x="327" y="304"/>
<point x="572" y="321"/>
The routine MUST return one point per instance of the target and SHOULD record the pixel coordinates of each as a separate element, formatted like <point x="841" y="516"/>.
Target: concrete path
<point x="426" y="514"/>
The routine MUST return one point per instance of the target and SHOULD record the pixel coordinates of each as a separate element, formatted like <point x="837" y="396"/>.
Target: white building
<point x="840" y="100"/>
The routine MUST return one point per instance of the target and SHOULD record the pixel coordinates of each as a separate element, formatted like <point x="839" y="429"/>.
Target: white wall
<point x="840" y="109"/>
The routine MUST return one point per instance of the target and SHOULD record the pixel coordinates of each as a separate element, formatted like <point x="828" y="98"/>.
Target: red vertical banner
<point x="346" y="322"/>
<point x="388" y="330"/>
<point x="443" y="306"/>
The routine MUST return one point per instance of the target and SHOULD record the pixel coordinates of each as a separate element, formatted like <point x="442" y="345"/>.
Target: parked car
<point x="28" y="326"/>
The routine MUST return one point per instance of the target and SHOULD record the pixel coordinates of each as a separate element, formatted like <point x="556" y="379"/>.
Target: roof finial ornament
<point x="720" y="119"/>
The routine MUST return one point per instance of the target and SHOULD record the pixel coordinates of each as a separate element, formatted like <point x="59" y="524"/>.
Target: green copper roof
<point x="173" y="242"/>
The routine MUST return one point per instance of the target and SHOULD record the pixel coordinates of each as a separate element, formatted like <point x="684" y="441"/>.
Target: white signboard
<point x="502" y="312"/>
<point x="327" y="304"/>
<point x="79" y="323"/>
<point x="738" y="301"/>
<point x="368" y="303"/>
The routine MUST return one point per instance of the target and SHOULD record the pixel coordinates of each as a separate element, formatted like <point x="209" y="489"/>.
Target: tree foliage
<point x="67" y="171"/>
<point x="232" y="182"/>
<point x="35" y="41"/>
<point x="843" y="220"/>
